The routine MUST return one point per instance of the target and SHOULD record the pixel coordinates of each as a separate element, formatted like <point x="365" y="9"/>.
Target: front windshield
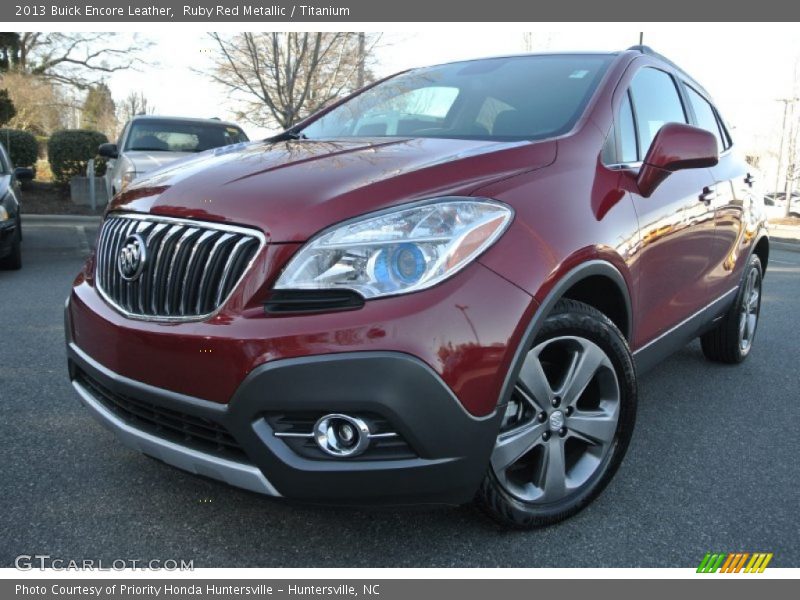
<point x="164" y="135"/>
<point x="512" y="98"/>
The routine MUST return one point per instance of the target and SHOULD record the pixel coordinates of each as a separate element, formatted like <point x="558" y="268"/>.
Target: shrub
<point x="69" y="152"/>
<point x="22" y="147"/>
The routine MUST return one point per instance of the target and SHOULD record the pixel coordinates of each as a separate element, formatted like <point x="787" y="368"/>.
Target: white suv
<point x="148" y="142"/>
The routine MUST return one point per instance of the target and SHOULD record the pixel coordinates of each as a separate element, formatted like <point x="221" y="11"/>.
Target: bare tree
<point x="281" y="78"/>
<point x="42" y="107"/>
<point x="136" y="103"/>
<point x="76" y="59"/>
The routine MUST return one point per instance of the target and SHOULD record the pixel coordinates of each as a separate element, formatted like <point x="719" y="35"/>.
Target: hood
<point x="144" y="161"/>
<point x="293" y="189"/>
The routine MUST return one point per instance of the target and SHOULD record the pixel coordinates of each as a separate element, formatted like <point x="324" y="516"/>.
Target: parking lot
<point x="714" y="464"/>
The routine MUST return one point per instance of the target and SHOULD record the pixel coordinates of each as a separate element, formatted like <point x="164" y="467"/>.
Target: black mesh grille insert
<point x="193" y="431"/>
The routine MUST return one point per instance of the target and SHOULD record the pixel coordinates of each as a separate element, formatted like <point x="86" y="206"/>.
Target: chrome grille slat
<point x="205" y="280"/>
<point x="112" y="255"/>
<point x="192" y="268"/>
<point x="158" y="268"/>
<point x="121" y="289"/>
<point x="190" y="271"/>
<point x="146" y="283"/>
<point x="176" y="265"/>
<point x="226" y="270"/>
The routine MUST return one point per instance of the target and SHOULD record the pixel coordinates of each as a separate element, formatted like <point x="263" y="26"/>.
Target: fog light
<point x="341" y="435"/>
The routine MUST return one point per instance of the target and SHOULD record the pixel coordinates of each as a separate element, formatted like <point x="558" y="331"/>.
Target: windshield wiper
<point x="287" y="135"/>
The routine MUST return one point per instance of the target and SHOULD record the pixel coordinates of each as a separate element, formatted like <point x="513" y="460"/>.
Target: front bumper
<point x="445" y="450"/>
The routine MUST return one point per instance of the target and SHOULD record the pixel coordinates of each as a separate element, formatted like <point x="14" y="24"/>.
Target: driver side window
<point x="651" y="101"/>
<point x="656" y="102"/>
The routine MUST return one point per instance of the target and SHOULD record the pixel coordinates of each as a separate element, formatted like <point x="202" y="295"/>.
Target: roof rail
<point x="650" y="52"/>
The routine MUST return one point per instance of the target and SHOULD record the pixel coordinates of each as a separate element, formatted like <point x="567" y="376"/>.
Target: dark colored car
<point x="10" y="218"/>
<point x="442" y="288"/>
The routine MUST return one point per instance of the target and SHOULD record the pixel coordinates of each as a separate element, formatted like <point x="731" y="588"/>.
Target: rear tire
<point x="731" y="341"/>
<point x="13" y="261"/>
<point x="568" y="424"/>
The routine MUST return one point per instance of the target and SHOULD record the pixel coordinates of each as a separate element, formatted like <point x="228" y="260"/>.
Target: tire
<point x="731" y="341"/>
<point x="13" y="261"/>
<point x="582" y="363"/>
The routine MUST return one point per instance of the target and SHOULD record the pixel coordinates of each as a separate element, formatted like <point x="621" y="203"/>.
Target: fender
<point x="576" y="274"/>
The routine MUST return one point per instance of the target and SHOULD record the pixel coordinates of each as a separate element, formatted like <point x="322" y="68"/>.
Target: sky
<point x="745" y="67"/>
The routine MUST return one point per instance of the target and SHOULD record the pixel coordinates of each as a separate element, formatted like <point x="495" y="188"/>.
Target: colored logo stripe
<point x="734" y="562"/>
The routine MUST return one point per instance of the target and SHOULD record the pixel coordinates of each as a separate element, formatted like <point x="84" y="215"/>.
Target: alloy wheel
<point x="749" y="310"/>
<point x="561" y="422"/>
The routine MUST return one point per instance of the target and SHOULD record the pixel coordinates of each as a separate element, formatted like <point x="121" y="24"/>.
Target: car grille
<point x="196" y="432"/>
<point x="190" y="268"/>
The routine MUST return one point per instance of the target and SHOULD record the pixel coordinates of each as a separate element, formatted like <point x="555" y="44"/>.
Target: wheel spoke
<point x="583" y="367"/>
<point x="512" y="446"/>
<point x="751" y="325"/>
<point x="554" y="484"/>
<point x="752" y="305"/>
<point x="597" y="427"/>
<point x="534" y="381"/>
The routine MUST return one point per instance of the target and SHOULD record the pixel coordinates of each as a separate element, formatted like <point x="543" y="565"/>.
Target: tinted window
<point x="706" y="119"/>
<point x="656" y="102"/>
<point x="163" y="135"/>
<point x="531" y="97"/>
<point x="487" y="115"/>
<point x="419" y="109"/>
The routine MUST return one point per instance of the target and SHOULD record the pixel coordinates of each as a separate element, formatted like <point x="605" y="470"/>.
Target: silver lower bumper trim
<point x="182" y="457"/>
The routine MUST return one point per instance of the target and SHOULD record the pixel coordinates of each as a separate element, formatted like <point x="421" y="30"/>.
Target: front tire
<point x="731" y="341"/>
<point x="568" y="424"/>
<point x="14" y="260"/>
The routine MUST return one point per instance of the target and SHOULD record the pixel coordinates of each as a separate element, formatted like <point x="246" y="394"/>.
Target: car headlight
<point x="127" y="178"/>
<point x="400" y="250"/>
<point x="3" y="214"/>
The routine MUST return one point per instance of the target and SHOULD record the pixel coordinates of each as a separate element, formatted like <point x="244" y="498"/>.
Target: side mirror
<point x="676" y="147"/>
<point x="23" y="173"/>
<point x="108" y="151"/>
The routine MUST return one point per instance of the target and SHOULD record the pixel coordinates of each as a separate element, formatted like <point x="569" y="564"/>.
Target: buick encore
<point x="440" y="289"/>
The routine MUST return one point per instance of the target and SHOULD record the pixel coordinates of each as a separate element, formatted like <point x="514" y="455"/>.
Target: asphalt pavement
<point x="714" y="464"/>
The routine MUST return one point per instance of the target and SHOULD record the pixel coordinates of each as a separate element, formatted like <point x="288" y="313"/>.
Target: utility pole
<point x="788" y="109"/>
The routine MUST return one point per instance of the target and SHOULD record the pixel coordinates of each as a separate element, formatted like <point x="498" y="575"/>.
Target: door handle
<point x="750" y="179"/>
<point x="709" y="193"/>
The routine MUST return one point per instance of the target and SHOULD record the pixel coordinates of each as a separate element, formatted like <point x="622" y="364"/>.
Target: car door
<point x="676" y="224"/>
<point x="731" y="190"/>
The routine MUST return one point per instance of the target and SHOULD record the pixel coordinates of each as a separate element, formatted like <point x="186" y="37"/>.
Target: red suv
<point x="440" y="289"/>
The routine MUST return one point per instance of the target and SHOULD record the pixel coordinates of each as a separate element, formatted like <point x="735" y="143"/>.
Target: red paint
<point x="675" y="252"/>
<point x="676" y="147"/>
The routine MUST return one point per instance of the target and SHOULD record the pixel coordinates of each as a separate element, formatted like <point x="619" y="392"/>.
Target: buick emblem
<point x="556" y="420"/>
<point x="132" y="257"/>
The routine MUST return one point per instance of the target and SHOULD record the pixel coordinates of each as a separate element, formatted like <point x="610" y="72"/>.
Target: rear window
<point x="512" y="98"/>
<point x="158" y="135"/>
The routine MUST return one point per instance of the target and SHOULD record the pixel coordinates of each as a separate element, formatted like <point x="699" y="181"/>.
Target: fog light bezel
<point x="326" y="436"/>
